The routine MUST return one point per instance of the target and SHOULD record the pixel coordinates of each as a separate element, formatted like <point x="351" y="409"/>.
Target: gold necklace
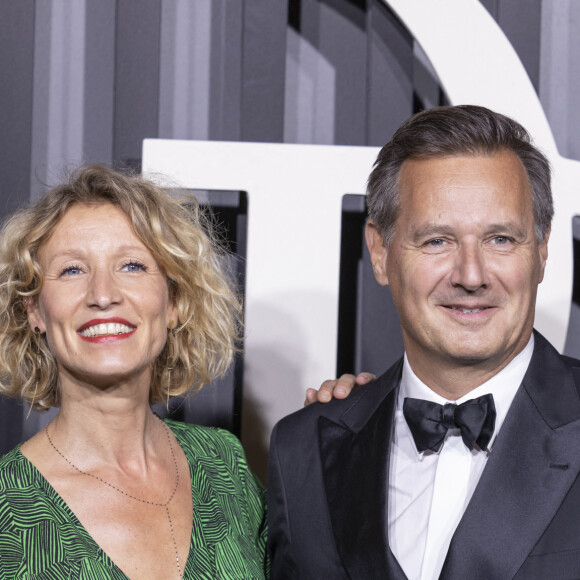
<point x="163" y="505"/>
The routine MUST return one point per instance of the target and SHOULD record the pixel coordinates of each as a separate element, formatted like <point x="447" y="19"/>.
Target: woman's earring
<point x="170" y="358"/>
<point x="37" y="367"/>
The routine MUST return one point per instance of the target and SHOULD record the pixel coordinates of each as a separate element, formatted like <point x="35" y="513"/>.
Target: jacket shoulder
<point x="574" y="365"/>
<point x="570" y="361"/>
<point x="362" y="402"/>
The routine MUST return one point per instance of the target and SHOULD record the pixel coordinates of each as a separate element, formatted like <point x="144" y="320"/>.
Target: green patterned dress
<point x="41" y="539"/>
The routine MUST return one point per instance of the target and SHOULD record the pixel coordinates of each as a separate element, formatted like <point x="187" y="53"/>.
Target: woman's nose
<point x="103" y="289"/>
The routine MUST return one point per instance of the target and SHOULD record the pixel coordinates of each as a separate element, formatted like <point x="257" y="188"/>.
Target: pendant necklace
<point x="163" y="505"/>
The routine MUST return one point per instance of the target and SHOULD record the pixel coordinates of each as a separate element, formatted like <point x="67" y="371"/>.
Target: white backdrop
<point x="295" y="194"/>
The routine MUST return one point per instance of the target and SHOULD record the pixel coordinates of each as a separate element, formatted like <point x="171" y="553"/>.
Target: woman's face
<point x="104" y="305"/>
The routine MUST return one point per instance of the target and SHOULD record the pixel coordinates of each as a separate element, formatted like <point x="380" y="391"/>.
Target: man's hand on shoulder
<point x="337" y="388"/>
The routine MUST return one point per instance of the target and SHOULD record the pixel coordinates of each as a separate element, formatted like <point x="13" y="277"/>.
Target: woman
<point x="112" y="298"/>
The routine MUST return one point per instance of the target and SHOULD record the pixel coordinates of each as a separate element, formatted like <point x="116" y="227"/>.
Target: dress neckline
<point x="45" y="485"/>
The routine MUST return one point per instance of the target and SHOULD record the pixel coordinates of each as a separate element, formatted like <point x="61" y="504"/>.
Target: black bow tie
<point x="429" y="422"/>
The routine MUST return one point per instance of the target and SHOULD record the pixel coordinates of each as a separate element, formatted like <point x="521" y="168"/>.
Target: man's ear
<point x="33" y="312"/>
<point x="543" y="249"/>
<point x="378" y="252"/>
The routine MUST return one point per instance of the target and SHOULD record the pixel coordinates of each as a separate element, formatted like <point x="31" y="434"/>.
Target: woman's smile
<point x="99" y="330"/>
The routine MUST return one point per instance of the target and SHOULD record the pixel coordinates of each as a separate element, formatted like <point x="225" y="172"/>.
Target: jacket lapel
<point x="355" y="463"/>
<point x="533" y="463"/>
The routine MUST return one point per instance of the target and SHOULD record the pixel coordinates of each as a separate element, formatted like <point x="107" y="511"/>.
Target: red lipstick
<point x="106" y="337"/>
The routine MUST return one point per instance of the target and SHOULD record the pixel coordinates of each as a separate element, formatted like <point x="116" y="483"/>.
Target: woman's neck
<point x="113" y="425"/>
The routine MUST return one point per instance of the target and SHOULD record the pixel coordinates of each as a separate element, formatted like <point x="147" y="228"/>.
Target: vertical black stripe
<point x="137" y="58"/>
<point x="16" y="74"/>
<point x="264" y="70"/>
<point x="225" y="121"/>
<point x="390" y="86"/>
<point x="99" y="81"/>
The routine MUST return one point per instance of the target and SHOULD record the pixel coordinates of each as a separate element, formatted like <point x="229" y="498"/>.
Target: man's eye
<point x="501" y="240"/>
<point x="436" y="242"/>
<point x="134" y="266"/>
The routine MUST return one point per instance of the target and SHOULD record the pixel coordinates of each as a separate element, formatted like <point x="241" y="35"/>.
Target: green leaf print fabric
<point x="41" y="539"/>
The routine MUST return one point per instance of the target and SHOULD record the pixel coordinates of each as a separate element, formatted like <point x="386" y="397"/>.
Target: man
<point x="461" y="461"/>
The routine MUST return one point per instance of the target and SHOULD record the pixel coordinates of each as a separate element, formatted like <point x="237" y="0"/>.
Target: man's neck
<point x="453" y="379"/>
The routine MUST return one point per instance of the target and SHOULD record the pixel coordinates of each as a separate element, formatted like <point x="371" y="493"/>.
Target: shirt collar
<point x="503" y="386"/>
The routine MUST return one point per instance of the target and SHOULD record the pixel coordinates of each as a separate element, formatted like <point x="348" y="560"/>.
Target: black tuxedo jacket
<point x="328" y="484"/>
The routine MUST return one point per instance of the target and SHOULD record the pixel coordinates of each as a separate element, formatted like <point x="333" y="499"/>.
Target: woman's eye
<point x="134" y="266"/>
<point x="71" y="271"/>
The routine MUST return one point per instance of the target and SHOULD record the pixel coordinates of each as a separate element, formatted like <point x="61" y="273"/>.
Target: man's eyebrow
<point x="431" y="230"/>
<point x="509" y="228"/>
<point x="501" y="228"/>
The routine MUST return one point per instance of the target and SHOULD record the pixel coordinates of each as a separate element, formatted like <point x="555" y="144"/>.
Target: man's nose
<point x="469" y="270"/>
<point x="103" y="290"/>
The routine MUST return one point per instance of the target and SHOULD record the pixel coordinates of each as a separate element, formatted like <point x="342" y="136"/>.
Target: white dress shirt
<point x="412" y="474"/>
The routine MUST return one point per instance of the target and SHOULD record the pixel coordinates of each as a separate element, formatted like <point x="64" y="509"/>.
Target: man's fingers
<point x="327" y="391"/>
<point x="364" y="378"/>
<point x="310" y="397"/>
<point x="344" y="385"/>
<point x="337" y="388"/>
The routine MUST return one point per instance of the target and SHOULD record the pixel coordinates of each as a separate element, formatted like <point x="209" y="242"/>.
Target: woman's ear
<point x="172" y="315"/>
<point x="33" y="312"/>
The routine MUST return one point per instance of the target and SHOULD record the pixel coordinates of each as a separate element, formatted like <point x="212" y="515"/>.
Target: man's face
<point x="464" y="263"/>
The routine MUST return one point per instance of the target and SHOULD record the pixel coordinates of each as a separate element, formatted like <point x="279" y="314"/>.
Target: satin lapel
<point x="355" y="463"/>
<point x="532" y="466"/>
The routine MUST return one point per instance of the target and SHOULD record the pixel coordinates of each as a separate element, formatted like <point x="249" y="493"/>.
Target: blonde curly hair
<point x="182" y="242"/>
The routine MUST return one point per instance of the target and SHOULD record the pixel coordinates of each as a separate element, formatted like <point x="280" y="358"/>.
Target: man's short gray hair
<point x="453" y="131"/>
